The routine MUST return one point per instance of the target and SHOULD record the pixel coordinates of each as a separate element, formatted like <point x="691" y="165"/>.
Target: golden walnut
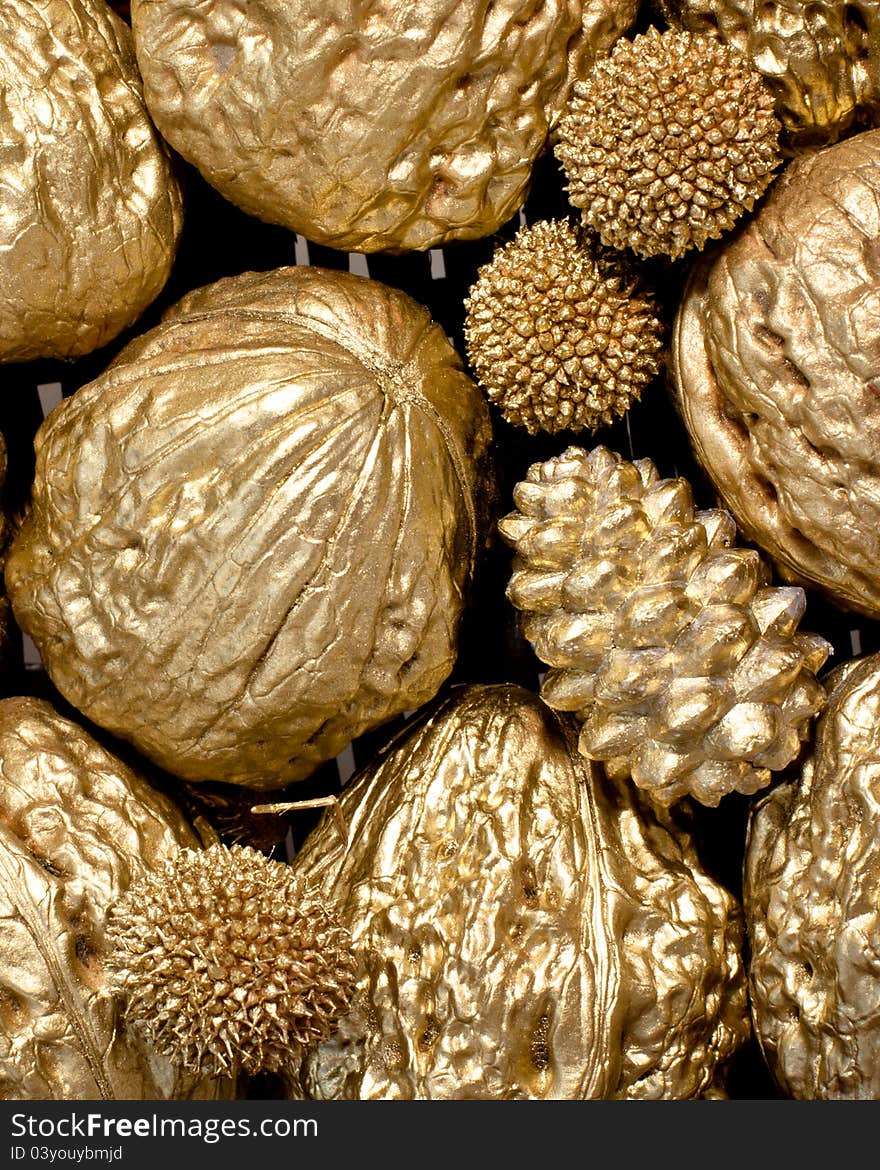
<point x="820" y="60"/>
<point x="383" y="127"/>
<point x="250" y="539"/>
<point x="526" y="929"/>
<point x="776" y="362"/>
<point x="811" y="889"/>
<point x="91" y="211"/>
<point x="76" y="827"/>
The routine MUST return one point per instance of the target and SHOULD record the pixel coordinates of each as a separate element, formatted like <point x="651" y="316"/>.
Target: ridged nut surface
<point x="525" y="928"/>
<point x="91" y="210"/>
<point x="776" y="365"/>
<point x="811" y="892"/>
<point x="250" y="539"/>
<point x="372" y="127"/>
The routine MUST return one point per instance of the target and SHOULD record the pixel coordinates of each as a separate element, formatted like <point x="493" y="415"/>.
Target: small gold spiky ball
<point x="225" y="964"/>
<point x="668" y="142"/>
<point x="558" y="332"/>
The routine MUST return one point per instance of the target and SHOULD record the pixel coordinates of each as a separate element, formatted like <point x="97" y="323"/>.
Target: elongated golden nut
<point x="226" y="964"/>
<point x="91" y="211"/>
<point x="685" y="667"/>
<point x="77" y="827"/>
<point x="811" y="878"/>
<point x="667" y="142"/>
<point x="373" y="127"/>
<point x="251" y="538"/>
<point x="776" y="366"/>
<point x="559" y="332"/>
<point x="526" y="928"/>
<point x="821" y="61"/>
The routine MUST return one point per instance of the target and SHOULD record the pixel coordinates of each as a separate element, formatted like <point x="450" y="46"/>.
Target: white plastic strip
<point x="301" y="250"/>
<point x="357" y="264"/>
<point x="51" y="395"/>
<point x="345" y="765"/>
<point x="438" y="264"/>
<point x="30" y="654"/>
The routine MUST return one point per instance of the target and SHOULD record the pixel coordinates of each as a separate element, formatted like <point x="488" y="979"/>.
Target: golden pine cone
<point x="668" y="142"/>
<point x="683" y="665"/>
<point x="225" y="965"/>
<point x="558" y="333"/>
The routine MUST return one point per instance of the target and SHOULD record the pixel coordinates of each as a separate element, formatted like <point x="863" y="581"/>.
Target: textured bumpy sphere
<point x="529" y="928"/>
<point x="558" y="332"/>
<point x="91" y="210"/>
<point x="370" y="126"/>
<point x="225" y="965"/>
<point x="685" y="667"/>
<point x="811" y="885"/>
<point x="668" y="142"/>
<point x="776" y="364"/>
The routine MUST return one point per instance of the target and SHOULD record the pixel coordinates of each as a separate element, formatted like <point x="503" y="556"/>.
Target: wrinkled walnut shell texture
<point x="776" y="360"/>
<point x="250" y="538"/>
<point x="368" y="127"/>
<point x="76" y="827"/>
<point x="821" y="60"/>
<point x="811" y="894"/>
<point x="91" y="209"/>
<point x="527" y="928"/>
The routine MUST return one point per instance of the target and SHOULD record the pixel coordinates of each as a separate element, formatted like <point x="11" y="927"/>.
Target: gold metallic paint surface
<point x="821" y="60"/>
<point x="76" y="826"/>
<point x="368" y="126"/>
<point x="776" y="364"/>
<point x="527" y="929"/>
<point x="250" y="539"/>
<point x="90" y="211"/>
<point x="812" y="882"/>
<point x="684" y="665"/>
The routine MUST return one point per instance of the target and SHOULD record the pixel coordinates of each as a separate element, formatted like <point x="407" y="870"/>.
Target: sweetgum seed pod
<point x="251" y="538"/>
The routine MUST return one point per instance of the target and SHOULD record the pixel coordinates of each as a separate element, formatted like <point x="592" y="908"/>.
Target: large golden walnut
<point x="526" y="928"/>
<point x="368" y="126"/>
<point x="821" y="60"/>
<point x="250" y="538"/>
<point x="811" y="890"/>
<point x="76" y="827"/>
<point x="91" y="211"/>
<point x="776" y="362"/>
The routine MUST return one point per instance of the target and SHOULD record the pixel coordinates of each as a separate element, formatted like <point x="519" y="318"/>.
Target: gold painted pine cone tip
<point x="92" y="210"/>
<point x="378" y="127"/>
<point x="560" y="334"/>
<point x="251" y="539"/>
<point x="812" y="871"/>
<point x="225" y="964"/>
<point x="527" y="928"/>
<point x="667" y="142"/>
<point x="684" y="666"/>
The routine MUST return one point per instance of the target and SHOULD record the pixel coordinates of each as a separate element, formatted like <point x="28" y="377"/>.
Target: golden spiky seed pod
<point x="684" y="666"/>
<point x="558" y="332"/>
<point x="668" y="142"/>
<point x="226" y="964"/>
